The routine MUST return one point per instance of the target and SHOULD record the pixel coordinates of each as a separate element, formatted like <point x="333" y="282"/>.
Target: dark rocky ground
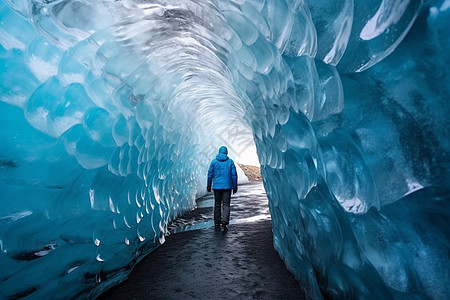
<point x="200" y="262"/>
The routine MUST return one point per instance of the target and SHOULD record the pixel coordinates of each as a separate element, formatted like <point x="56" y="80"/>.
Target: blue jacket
<point x="222" y="172"/>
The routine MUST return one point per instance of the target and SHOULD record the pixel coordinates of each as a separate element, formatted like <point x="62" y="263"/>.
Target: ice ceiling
<point x="112" y="110"/>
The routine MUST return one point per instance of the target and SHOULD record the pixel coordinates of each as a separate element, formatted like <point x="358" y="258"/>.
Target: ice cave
<point x="111" y="111"/>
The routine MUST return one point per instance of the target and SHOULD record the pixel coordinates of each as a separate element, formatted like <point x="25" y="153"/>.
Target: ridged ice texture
<point x="112" y="110"/>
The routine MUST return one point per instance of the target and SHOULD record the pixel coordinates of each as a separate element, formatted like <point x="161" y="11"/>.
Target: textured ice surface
<point x="112" y="110"/>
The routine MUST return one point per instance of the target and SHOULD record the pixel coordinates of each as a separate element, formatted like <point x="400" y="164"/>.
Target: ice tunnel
<point x="112" y="110"/>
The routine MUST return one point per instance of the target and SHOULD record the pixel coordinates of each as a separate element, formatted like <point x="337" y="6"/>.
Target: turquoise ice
<point x="112" y="110"/>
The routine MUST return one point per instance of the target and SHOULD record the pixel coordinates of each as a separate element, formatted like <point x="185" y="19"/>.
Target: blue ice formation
<point x="112" y="110"/>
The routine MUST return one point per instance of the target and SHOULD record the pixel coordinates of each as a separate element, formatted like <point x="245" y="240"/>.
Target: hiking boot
<point x="225" y="227"/>
<point x="217" y="226"/>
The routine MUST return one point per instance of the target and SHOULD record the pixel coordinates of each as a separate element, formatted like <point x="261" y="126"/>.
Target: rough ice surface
<point x="112" y="110"/>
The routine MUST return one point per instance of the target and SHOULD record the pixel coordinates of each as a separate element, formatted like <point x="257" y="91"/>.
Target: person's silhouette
<point x="223" y="177"/>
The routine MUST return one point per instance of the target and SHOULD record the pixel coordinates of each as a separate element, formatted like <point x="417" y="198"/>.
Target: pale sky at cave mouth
<point x="248" y="156"/>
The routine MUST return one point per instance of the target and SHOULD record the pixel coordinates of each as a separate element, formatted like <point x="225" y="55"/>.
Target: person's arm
<point x="234" y="177"/>
<point x="210" y="176"/>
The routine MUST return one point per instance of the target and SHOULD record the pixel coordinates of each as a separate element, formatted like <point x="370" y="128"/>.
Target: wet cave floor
<point x="200" y="262"/>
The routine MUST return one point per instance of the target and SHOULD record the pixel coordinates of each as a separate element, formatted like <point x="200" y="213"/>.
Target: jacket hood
<point x="222" y="156"/>
<point x="223" y="150"/>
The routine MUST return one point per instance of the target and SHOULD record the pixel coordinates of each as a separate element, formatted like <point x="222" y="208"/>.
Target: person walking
<point x="223" y="177"/>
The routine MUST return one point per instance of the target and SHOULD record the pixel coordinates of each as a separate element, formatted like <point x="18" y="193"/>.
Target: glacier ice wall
<point x="112" y="110"/>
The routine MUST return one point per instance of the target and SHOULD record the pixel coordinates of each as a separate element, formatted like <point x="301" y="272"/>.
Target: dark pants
<point x="222" y="198"/>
